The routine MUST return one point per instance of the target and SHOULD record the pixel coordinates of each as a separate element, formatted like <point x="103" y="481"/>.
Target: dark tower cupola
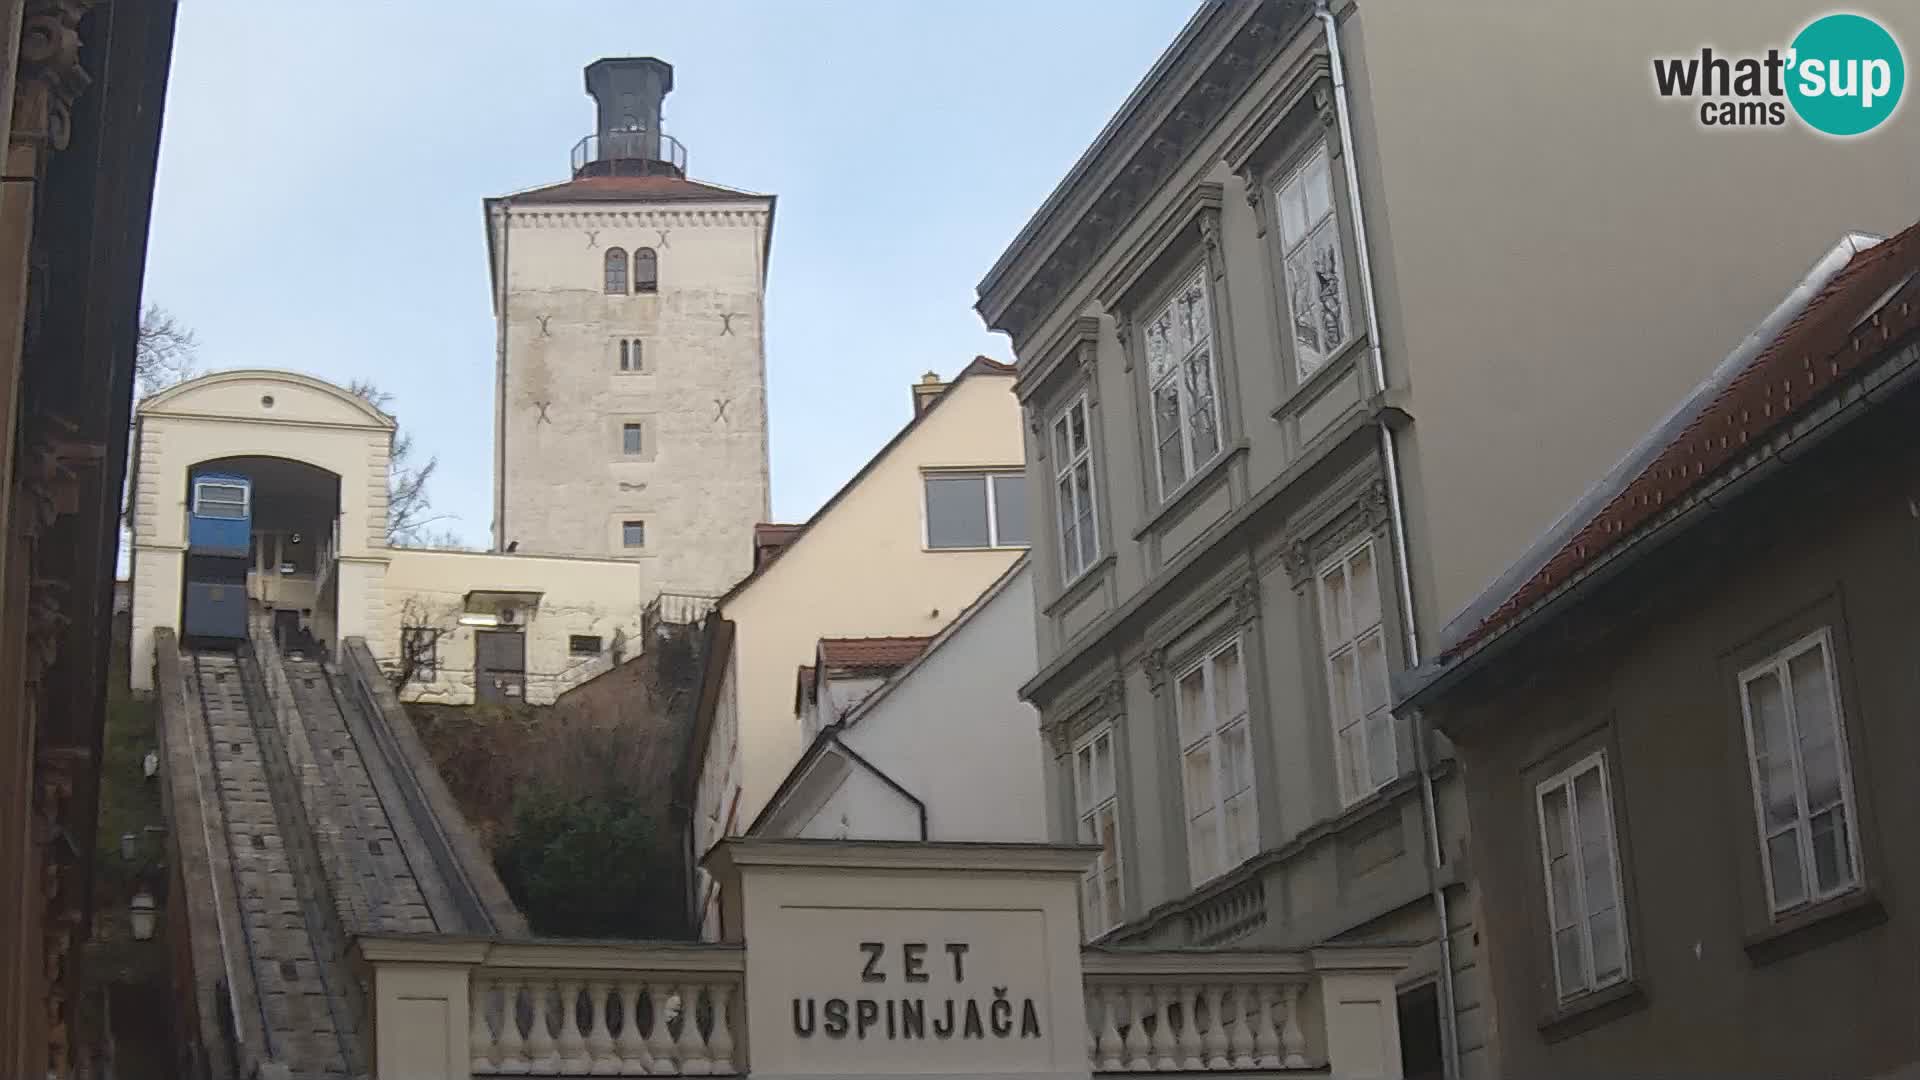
<point x="627" y="140"/>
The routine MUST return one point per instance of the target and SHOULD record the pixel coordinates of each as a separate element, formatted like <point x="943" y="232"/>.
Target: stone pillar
<point x="419" y="1022"/>
<point x="1358" y="1014"/>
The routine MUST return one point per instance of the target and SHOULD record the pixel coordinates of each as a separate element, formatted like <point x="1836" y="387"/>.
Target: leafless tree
<point x="164" y="351"/>
<point x="408" y="507"/>
<point x="421" y="628"/>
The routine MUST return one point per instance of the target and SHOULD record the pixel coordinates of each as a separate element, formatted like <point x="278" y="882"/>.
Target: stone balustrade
<point x="1178" y="1011"/>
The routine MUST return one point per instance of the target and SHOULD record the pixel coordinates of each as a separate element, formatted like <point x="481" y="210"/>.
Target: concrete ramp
<point x="301" y="821"/>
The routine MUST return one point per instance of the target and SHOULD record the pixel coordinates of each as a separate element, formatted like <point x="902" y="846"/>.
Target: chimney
<point x="926" y="391"/>
<point x="627" y="92"/>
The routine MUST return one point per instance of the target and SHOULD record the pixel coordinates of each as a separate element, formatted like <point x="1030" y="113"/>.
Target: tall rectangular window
<point x="1316" y="285"/>
<point x="633" y="534"/>
<point x="1216" y="763"/>
<point x="1180" y="381"/>
<point x="630" y="438"/>
<point x="976" y="509"/>
<point x="1802" y="782"/>
<point x="1581" y="862"/>
<point x="1096" y="802"/>
<point x="1356" y="651"/>
<point x="1073" y="490"/>
<point x="630" y="355"/>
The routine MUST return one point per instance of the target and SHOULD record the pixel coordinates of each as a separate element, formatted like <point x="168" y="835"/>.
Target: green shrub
<point x="588" y="865"/>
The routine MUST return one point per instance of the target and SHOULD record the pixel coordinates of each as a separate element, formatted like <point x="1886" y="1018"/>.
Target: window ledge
<point x="1344" y="360"/>
<point x="1186" y="494"/>
<point x="1591" y="1010"/>
<point x="988" y="547"/>
<point x="1825" y="922"/>
<point x="1082" y="584"/>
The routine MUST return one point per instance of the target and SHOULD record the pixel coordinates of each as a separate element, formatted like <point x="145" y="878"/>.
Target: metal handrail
<point x="635" y="144"/>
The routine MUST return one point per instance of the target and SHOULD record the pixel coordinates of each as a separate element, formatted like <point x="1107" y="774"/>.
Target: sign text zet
<point x="908" y="1015"/>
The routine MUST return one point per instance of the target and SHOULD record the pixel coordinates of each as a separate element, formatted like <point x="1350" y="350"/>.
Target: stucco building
<point x="631" y="413"/>
<point x="1317" y="333"/>
<point x="1687" y="719"/>
<point x="902" y="549"/>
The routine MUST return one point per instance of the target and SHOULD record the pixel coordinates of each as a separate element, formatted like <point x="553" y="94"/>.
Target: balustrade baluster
<point x="692" y="1048"/>
<point x="721" y="1041"/>
<point x="1139" y="1050"/>
<point x="600" y="1030"/>
<point x="542" y="1053"/>
<point x="1164" y="1045"/>
<point x="1217" y="1028"/>
<point x="1240" y="1036"/>
<point x="1293" y="1042"/>
<point x="513" y="1048"/>
<point x="1266" y="1040"/>
<point x="1190" y="1028"/>
<point x="574" y="1059"/>
<point x="632" y="1045"/>
<point x="479" y="1037"/>
<point x="660" y="1040"/>
<point x="1109" y="1049"/>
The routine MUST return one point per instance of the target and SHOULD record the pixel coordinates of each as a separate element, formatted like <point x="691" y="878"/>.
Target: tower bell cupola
<point x="627" y="140"/>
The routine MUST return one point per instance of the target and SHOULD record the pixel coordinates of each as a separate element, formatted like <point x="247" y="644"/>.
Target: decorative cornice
<point x="50" y="76"/>
<point x="1373" y="504"/>
<point x="1246" y="602"/>
<point x="1190" y="211"/>
<point x="1157" y="154"/>
<point x="1299" y="560"/>
<point x="1074" y="347"/>
<point x="1154" y="666"/>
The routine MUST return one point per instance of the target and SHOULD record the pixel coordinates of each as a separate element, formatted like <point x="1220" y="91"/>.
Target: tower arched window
<point x="646" y="270"/>
<point x="616" y="268"/>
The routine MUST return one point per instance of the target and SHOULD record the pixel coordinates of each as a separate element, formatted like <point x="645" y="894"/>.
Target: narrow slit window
<point x="646" y="271"/>
<point x="631" y="354"/>
<point x="630" y="439"/>
<point x="616" y="272"/>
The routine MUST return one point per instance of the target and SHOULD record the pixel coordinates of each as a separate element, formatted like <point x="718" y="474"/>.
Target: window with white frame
<point x="1073" y="489"/>
<point x="1316" y="286"/>
<point x="1356" y="651"/>
<point x="1582" y="866"/>
<point x="1802" y="783"/>
<point x="217" y="499"/>
<point x="1180" y="382"/>
<point x="976" y="509"/>
<point x="1216" y="763"/>
<point x="1096" y="803"/>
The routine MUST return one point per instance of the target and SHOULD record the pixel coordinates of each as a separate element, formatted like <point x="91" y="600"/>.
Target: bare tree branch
<point x="164" y="351"/>
<point x="407" y="503"/>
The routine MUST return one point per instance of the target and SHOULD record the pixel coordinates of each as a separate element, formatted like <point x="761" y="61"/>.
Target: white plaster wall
<point x="953" y="731"/>
<point x="862" y="569"/>
<point x="227" y="414"/>
<point x="601" y="597"/>
<point x="701" y="481"/>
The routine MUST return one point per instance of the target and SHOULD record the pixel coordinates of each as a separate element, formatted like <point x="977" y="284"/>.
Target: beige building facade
<point x="1323" y="329"/>
<point x="631" y="416"/>
<point x="869" y="563"/>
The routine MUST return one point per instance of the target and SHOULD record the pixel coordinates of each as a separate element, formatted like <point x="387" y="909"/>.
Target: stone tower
<point x="630" y="402"/>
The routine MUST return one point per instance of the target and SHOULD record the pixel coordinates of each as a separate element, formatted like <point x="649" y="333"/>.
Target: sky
<point x="322" y="167"/>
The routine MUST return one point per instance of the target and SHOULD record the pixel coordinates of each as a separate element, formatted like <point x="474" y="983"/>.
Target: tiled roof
<point x="803" y="685"/>
<point x="871" y="653"/>
<point x="659" y="188"/>
<point x="770" y="539"/>
<point x="1838" y="330"/>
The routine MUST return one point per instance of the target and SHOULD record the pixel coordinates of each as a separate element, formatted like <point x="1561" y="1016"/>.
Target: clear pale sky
<point x="322" y="166"/>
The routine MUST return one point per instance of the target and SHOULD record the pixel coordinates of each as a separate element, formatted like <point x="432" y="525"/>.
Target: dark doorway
<point x="499" y="665"/>
<point x="286" y="628"/>
<point x="1420" y="1054"/>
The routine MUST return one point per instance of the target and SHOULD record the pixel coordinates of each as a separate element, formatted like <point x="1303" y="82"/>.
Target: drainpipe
<point x="500" y="380"/>
<point x="1397" y="524"/>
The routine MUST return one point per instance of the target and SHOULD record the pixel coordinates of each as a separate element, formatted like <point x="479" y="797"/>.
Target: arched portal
<point x="291" y="568"/>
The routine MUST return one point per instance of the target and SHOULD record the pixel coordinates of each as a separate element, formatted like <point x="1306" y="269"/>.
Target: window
<point x="1316" y="284"/>
<point x="1802" y="784"/>
<point x="1073" y="487"/>
<point x="633" y="534"/>
<point x="630" y="438"/>
<point x="1186" y="413"/>
<point x="1096" y="802"/>
<point x="630" y="354"/>
<point x="583" y="644"/>
<point x="1582" y="876"/>
<point x="215" y="499"/>
<point x="1356" y="648"/>
<point x="616" y="272"/>
<point x="1216" y="770"/>
<point x="646" y="270"/>
<point x="420" y="652"/>
<point x="976" y="510"/>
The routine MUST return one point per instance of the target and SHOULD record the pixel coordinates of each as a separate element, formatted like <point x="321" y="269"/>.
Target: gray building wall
<point x="1716" y="986"/>
<point x="1558" y="255"/>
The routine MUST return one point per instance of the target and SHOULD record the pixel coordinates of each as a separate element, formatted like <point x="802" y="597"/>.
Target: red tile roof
<point x="872" y="653"/>
<point x="1817" y="350"/>
<point x="631" y="189"/>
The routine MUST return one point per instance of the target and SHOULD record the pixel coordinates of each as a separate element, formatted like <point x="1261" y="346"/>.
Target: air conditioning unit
<point x="508" y="616"/>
